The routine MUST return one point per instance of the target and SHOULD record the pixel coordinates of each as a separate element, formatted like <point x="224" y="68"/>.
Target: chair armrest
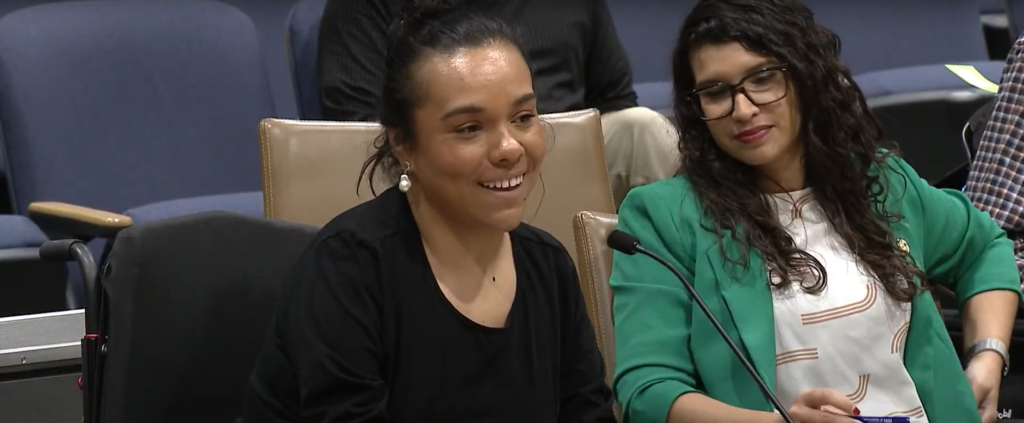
<point x="77" y="221"/>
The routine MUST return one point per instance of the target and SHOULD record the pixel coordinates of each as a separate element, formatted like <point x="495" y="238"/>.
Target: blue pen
<point x="881" y="419"/>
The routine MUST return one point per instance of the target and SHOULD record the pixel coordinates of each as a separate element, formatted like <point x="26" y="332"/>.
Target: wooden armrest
<point x="78" y="221"/>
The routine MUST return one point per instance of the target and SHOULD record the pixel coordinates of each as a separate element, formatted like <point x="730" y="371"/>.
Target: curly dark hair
<point x="841" y="142"/>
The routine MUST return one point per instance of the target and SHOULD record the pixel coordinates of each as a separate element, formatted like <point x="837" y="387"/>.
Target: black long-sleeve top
<point x="366" y="335"/>
<point x="577" y="58"/>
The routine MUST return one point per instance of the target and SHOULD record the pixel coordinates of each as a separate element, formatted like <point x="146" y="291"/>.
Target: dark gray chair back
<point x="189" y="302"/>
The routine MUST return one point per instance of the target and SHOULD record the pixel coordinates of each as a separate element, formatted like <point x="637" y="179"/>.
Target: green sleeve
<point x="964" y="249"/>
<point x="652" y="311"/>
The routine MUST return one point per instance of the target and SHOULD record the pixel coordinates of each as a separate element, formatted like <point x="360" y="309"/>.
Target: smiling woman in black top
<point x="433" y="302"/>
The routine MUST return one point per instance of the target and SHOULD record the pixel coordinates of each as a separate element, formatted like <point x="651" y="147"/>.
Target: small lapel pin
<point x="902" y="245"/>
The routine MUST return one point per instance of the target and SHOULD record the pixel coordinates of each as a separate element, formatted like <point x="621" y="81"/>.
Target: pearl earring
<point x="403" y="181"/>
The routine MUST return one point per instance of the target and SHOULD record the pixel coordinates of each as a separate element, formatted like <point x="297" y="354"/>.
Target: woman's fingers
<point x="818" y="398"/>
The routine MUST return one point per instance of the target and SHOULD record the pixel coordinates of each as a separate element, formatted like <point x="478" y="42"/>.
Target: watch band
<point x="994" y="345"/>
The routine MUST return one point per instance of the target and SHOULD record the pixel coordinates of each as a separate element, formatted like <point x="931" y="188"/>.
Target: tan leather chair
<point x="310" y="171"/>
<point x="591" y="229"/>
<point x="310" y="168"/>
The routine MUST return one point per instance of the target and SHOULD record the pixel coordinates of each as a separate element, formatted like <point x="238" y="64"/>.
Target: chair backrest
<point x="1015" y="14"/>
<point x="310" y="171"/>
<point x="591" y="230"/>
<point x="885" y="34"/>
<point x="5" y="8"/>
<point x="124" y="103"/>
<point x="270" y="18"/>
<point x="992" y="6"/>
<point x="185" y="325"/>
<point x="310" y="168"/>
<point x="303" y="33"/>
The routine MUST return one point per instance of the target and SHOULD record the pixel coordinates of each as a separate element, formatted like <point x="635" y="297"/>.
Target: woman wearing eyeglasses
<point x="812" y="246"/>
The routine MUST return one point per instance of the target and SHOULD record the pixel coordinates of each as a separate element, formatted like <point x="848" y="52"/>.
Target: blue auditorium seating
<point x="1015" y="14"/>
<point x="150" y="108"/>
<point x="897" y="52"/>
<point x="648" y="30"/>
<point x="20" y="237"/>
<point x="993" y="6"/>
<point x="303" y="32"/>
<point x="886" y="36"/>
<point x="6" y="7"/>
<point x="19" y="233"/>
<point x="270" y="17"/>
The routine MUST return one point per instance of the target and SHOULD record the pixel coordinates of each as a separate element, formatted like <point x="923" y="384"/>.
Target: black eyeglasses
<point x="763" y="87"/>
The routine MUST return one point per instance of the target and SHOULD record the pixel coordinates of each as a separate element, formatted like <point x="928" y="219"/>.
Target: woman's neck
<point x="451" y="242"/>
<point x="783" y="175"/>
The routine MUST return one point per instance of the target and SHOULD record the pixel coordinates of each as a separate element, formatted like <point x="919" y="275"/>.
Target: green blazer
<point x="665" y="347"/>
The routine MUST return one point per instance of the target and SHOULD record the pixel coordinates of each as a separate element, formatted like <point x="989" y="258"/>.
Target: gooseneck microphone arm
<point x="630" y="245"/>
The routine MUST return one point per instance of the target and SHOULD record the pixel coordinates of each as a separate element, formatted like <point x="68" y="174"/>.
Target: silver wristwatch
<point x="990" y="344"/>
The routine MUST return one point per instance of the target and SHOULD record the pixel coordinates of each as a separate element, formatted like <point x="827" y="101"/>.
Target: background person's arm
<point x="609" y="77"/>
<point x="351" y="53"/>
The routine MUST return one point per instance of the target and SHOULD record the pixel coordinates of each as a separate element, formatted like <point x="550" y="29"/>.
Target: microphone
<point x="630" y="245"/>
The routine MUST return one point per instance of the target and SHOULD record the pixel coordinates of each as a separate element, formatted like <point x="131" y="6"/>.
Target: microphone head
<point x="623" y="242"/>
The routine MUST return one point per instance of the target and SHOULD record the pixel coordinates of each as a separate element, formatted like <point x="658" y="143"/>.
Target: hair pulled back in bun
<point x="415" y="14"/>
<point x="423" y="27"/>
